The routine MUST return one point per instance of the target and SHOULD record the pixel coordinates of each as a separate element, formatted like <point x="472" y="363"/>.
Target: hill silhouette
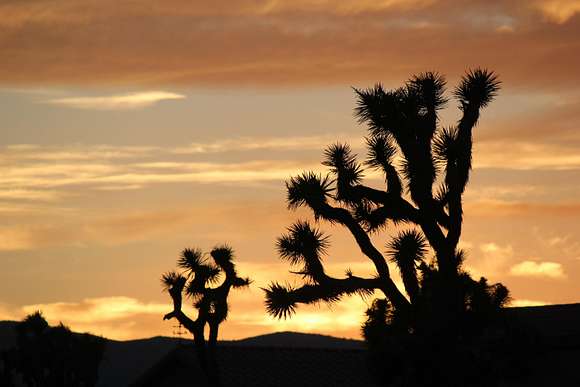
<point x="125" y="361"/>
<point x="298" y="340"/>
<point x="556" y="326"/>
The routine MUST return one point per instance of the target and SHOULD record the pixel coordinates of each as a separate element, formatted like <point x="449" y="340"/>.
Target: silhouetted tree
<point x="426" y="169"/>
<point x="52" y="356"/>
<point x="195" y="281"/>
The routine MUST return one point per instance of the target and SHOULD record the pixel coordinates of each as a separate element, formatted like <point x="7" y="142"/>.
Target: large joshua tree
<point x="426" y="169"/>
<point x="199" y="279"/>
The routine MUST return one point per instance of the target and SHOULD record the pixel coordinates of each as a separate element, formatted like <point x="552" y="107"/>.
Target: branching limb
<point x="344" y="217"/>
<point x="281" y="301"/>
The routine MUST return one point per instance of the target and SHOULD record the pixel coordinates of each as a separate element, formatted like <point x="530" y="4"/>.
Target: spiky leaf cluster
<point x="173" y="280"/>
<point x="477" y="88"/>
<point x="407" y="250"/>
<point x="308" y="189"/>
<point x="279" y="301"/>
<point x="429" y="87"/>
<point x="304" y="245"/>
<point x="343" y="165"/>
<point x="222" y="256"/>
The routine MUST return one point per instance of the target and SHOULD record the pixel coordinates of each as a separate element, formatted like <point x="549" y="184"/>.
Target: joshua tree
<point x="426" y="169"/>
<point x="195" y="281"/>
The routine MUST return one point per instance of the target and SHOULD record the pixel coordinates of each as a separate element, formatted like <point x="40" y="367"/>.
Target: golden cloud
<point x="538" y="269"/>
<point x="524" y="302"/>
<point x="130" y="101"/>
<point x="559" y="10"/>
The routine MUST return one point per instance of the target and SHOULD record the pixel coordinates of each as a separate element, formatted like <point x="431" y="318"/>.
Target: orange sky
<point x="131" y="130"/>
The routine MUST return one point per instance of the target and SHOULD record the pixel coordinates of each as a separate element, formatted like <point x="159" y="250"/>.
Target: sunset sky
<point x="133" y="129"/>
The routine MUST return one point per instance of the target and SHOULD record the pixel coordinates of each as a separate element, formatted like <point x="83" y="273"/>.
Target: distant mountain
<point x="299" y="340"/>
<point x="124" y="361"/>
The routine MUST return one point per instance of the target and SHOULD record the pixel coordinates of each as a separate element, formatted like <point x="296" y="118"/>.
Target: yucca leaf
<point x="307" y="189"/>
<point x="190" y="259"/>
<point x="222" y="256"/>
<point x="430" y="87"/>
<point x="477" y="88"/>
<point x="279" y="302"/>
<point x="304" y="245"/>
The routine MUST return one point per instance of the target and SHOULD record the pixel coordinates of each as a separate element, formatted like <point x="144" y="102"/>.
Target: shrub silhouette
<point x="195" y="281"/>
<point x="426" y="169"/>
<point x="52" y="356"/>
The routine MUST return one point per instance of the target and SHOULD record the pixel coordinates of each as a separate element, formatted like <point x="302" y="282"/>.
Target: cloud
<point x="93" y="310"/>
<point x="128" y="174"/>
<point x="108" y="230"/>
<point x="38" y="174"/>
<point x="538" y="269"/>
<point x="275" y="143"/>
<point x="525" y="155"/>
<point x="117" y="317"/>
<point x="12" y="239"/>
<point x="560" y="11"/>
<point x="288" y="43"/>
<point x="503" y="208"/>
<point x="34" y="195"/>
<point x="491" y="259"/>
<point x="129" y="101"/>
<point x="523" y="303"/>
<point x="22" y="153"/>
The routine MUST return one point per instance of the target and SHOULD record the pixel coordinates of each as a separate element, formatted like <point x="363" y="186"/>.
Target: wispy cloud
<point x="107" y="230"/>
<point x="519" y="155"/>
<point x="96" y="309"/>
<point x="112" y="317"/>
<point x="42" y="173"/>
<point x="538" y="269"/>
<point x="33" y="195"/>
<point x="128" y="101"/>
<point x="275" y="143"/>
<point x="524" y="302"/>
<point x="13" y="239"/>
<point x="503" y="208"/>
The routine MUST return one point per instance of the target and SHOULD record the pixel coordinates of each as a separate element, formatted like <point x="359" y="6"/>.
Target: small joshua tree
<point x="426" y="169"/>
<point x="195" y="281"/>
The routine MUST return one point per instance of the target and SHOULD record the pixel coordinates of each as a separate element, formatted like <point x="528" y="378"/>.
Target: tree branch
<point x="364" y="242"/>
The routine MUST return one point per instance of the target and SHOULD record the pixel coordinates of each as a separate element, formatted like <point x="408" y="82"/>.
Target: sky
<point x="131" y="130"/>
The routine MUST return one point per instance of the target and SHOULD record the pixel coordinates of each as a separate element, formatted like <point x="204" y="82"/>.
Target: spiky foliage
<point x="279" y="302"/>
<point x="425" y="170"/>
<point x="307" y="189"/>
<point x="407" y="250"/>
<point x="477" y="88"/>
<point x="199" y="281"/>
<point x="304" y="245"/>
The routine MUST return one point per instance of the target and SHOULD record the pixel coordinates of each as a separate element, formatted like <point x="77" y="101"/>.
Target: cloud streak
<point x="273" y="43"/>
<point x="551" y="270"/>
<point x="130" y="101"/>
<point x="32" y="172"/>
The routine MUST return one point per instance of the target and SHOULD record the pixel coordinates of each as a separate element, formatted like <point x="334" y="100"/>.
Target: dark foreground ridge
<point x="127" y="361"/>
<point x="267" y="358"/>
<point x="290" y="359"/>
